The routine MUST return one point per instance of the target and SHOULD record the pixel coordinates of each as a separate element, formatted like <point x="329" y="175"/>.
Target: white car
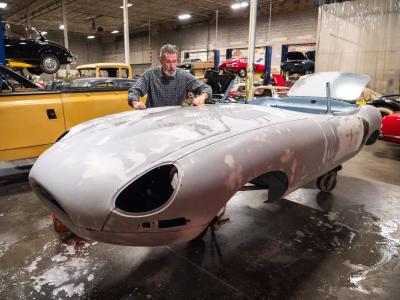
<point x="160" y="176"/>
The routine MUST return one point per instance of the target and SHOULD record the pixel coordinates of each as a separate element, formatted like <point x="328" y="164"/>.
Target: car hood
<point x="57" y="45"/>
<point x="343" y="86"/>
<point x="130" y="143"/>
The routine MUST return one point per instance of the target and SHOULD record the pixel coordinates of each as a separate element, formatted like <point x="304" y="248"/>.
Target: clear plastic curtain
<point x="361" y="36"/>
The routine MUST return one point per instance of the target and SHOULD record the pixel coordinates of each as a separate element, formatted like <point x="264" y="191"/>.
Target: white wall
<point x="297" y="27"/>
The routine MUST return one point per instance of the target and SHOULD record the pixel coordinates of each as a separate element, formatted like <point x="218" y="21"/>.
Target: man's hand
<point x="138" y="105"/>
<point x="199" y="101"/>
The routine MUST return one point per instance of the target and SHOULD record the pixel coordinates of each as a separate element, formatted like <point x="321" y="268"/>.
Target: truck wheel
<point x="49" y="64"/>
<point x="327" y="182"/>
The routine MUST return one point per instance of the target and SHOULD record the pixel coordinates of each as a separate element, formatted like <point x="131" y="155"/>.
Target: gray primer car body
<point x="102" y="179"/>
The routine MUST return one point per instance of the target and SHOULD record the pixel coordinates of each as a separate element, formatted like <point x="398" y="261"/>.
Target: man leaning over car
<point x="167" y="85"/>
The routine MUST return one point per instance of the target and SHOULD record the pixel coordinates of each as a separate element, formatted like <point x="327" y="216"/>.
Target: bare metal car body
<point x="159" y="176"/>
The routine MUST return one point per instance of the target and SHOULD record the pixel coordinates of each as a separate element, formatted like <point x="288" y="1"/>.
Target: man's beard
<point x="170" y="73"/>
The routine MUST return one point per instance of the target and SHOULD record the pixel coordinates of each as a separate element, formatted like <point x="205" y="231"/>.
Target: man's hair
<point x="168" y="48"/>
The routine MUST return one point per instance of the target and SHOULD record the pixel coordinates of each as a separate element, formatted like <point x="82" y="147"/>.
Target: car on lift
<point x="33" y="118"/>
<point x="28" y="45"/>
<point x="161" y="175"/>
<point x="297" y="62"/>
<point x="239" y="66"/>
<point x="390" y="130"/>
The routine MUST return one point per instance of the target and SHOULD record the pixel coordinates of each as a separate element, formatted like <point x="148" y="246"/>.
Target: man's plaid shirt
<point x="162" y="91"/>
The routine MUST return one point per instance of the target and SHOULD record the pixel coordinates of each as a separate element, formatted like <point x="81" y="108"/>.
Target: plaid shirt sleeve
<point x="139" y="88"/>
<point x="196" y="86"/>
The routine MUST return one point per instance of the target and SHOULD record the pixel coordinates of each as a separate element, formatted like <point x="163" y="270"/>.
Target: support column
<point x="251" y="47"/>
<point x="64" y="12"/>
<point x="126" y="32"/>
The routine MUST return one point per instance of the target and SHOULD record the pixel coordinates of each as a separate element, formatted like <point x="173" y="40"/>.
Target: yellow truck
<point x="118" y="70"/>
<point x="32" y="119"/>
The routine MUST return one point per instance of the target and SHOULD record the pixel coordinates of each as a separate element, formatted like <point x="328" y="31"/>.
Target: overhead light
<point x="61" y="27"/>
<point x="115" y="31"/>
<point x="184" y="17"/>
<point x="3" y="5"/>
<point x="128" y="5"/>
<point x="43" y="32"/>
<point x="90" y="37"/>
<point x="238" y="5"/>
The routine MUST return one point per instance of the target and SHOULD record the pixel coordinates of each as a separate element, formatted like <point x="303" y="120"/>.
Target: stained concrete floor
<point x="310" y="245"/>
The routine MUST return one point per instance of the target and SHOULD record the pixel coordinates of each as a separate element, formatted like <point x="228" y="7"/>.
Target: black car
<point x="30" y="46"/>
<point x="298" y="63"/>
<point x="387" y="104"/>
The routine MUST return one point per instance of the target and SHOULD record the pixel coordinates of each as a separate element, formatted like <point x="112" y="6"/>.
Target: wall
<point x="295" y="27"/>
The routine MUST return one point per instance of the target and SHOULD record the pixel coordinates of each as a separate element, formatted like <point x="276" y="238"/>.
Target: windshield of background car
<point x="295" y="56"/>
<point x="243" y="60"/>
<point x="124" y="73"/>
<point x="108" y="72"/>
<point x="87" y="72"/>
<point x="20" y="31"/>
<point x="310" y="55"/>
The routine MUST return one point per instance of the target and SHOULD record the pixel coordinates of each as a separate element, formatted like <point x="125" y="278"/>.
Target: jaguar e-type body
<point x="159" y="176"/>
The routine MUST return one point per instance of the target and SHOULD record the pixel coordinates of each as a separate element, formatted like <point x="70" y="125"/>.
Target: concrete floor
<point x="310" y="245"/>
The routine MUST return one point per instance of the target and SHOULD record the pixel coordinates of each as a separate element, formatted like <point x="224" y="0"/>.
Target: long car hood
<point x="109" y="152"/>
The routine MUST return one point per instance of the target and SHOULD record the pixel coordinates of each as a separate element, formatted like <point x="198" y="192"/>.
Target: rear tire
<point x="327" y="182"/>
<point x="50" y="64"/>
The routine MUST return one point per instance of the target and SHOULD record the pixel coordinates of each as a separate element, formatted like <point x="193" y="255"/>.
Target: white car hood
<point x="343" y="86"/>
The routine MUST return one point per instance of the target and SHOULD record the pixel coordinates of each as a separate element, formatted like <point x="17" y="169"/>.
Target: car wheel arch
<point x="277" y="183"/>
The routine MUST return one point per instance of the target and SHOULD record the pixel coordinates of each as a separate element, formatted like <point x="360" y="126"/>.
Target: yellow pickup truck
<point x="118" y="70"/>
<point x="32" y="119"/>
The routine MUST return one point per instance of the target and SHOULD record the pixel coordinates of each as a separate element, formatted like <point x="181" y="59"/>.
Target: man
<point x="167" y="85"/>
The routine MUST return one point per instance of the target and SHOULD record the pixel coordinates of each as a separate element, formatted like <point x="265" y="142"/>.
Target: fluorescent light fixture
<point x="61" y="27"/>
<point x="238" y="5"/>
<point x="115" y="31"/>
<point x="184" y="17"/>
<point x="3" y="5"/>
<point x="43" y="32"/>
<point x="90" y="37"/>
<point x="128" y="5"/>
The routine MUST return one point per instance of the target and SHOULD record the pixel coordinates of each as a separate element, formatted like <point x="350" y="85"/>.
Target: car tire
<point x="327" y="182"/>
<point x="49" y="64"/>
<point x="35" y="71"/>
<point x="384" y="110"/>
<point x="242" y="73"/>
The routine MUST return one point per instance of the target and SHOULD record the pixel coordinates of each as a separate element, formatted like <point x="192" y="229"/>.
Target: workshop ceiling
<point x="104" y="16"/>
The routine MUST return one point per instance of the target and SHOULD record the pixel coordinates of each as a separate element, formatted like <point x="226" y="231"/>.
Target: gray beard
<point x="167" y="73"/>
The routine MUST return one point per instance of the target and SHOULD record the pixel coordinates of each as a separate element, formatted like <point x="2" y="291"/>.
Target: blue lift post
<point x="229" y="53"/>
<point x="267" y="62"/>
<point x="2" y="52"/>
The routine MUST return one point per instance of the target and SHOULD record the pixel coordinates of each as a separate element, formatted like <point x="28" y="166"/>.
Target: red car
<point x="239" y="66"/>
<point x="390" y="130"/>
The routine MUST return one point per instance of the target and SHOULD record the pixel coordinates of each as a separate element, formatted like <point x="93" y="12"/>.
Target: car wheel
<point x="50" y="64"/>
<point x="327" y="182"/>
<point x="242" y="73"/>
<point x="35" y="71"/>
<point x="385" y="110"/>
